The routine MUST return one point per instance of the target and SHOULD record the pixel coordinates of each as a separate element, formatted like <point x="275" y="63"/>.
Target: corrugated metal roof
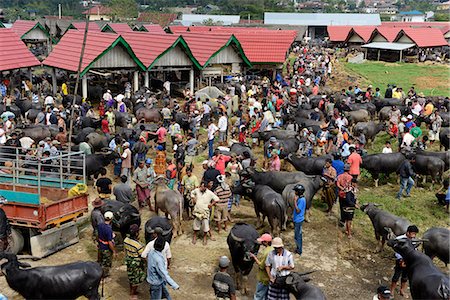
<point x="389" y="33"/>
<point x="424" y="37"/>
<point x="154" y="28"/>
<point x="66" y="54"/>
<point x="98" y="10"/>
<point x="338" y="33"/>
<point x="188" y="19"/>
<point x="119" y="27"/>
<point x="388" y="46"/>
<point x="411" y="13"/>
<point x="364" y="31"/>
<point x="22" y="27"/>
<point x="148" y="47"/>
<point x="266" y="46"/>
<point x="205" y="45"/>
<point x="93" y="26"/>
<point x="312" y="19"/>
<point x="14" y="52"/>
<point x="178" y="28"/>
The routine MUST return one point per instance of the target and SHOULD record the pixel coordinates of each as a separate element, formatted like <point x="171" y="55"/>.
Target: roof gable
<point x="116" y="28"/>
<point x="23" y="27"/>
<point x="14" y="52"/>
<point x="423" y="37"/>
<point x="338" y="33"/>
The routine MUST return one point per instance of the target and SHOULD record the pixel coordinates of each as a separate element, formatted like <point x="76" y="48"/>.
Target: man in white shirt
<point x="2" y="136"/>
<point x="151" y="246"/>
<point x="408" y="139"/>
<point x="243" y="92"/>
<point x="203" y="199"/>
<point x="223" y="126"/>
<point x="206" y="112"/>
<point x="212" y="129"/>
<point x="166" y="86"/>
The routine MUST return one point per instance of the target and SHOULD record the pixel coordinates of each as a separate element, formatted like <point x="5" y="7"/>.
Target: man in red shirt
<point x="355" y="161"/>
<point x="105" y="126"/>
<point x="221" y="161"/>
<point x="343" y="182"/>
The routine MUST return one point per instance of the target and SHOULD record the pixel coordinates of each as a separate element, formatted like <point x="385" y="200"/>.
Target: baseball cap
<point x="205" y="162"/>
<point x="384" y="292"/>
<point x="265" y="238"/>
<point x="109" y="215"/>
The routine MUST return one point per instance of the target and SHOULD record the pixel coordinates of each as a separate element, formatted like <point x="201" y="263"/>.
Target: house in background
<point x="411" y="16"/>
<point x="98" y="13"/>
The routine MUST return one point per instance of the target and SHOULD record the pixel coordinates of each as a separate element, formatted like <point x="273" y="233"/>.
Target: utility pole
<point x="59" y="11"/>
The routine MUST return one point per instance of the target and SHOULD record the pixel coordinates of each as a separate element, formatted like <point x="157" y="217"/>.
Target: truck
<point x="46" y="197"/>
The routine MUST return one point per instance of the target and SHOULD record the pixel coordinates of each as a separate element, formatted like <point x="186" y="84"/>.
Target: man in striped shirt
<point x="223" y="191"/>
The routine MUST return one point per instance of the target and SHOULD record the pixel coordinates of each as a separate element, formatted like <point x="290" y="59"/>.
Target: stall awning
<point x="388" y="46"/>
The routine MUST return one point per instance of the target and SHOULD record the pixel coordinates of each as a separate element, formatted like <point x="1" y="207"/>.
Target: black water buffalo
<point x="306" y="113"/>
<point x="380" y="103"/>
<point x="429" y="165"/>
<point x="308" y="123"/>
<point x="312" y="185"/>
<point x="381" y="220"/>
<point x="426" y="281"/>
<point x="31" y="115"/>
<point x="437" y="243"/>
<point x="445" y="156"/>
<point x="289" y="145"/>
<point x="82" y="134"/>
<point x="89" y="122"/>
<point x="297" y="285"/>
<point x="97" y="141"/>
<point x="355" y="116"/>
<point x="238" y="149"/>
<point x="68" y="281"/>
<point x="370" y="107"/>
<point x="276" y="180"/>
<point x="277" y="133"/>
<point x="163" y="223"/>
<point x="267" y="203"/>
<point x="68" y="100"/>
<point x="124" y="216"/>
<point x="36" y="132"/>
<point x="308" y="165"/>
<point x="183" y="120"/>
<point x="24" y="105"/>
<point x="382" y="163"/>
<point x="444" y="137"/>
<point x="242" y="240"/>
<point x="94" y="162"/>
<point x="370" y="129"/>
<point x="122" y="119"/>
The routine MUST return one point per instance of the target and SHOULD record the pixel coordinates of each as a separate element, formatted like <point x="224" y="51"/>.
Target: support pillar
<point x="401" y="55"/>
<point x="136" y="81"/>
<point x="54" y="82"/>
<point x="84" y="87"/>
<point x="378" y="55"/>
<point x="146" y="79"/>
<point x="191" y="80"/>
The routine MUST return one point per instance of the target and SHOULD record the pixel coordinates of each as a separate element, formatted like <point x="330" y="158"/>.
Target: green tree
<point x="210" y="22"/>
<point x="123" y="9"/>
<point x="442" y="17"/>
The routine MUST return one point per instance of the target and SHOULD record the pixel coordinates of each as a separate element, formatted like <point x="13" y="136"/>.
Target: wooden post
<point x="84" y="87"/>
<point x="146" y="79"/>
<point x="136" y="81"/>
<point x="401" y="55"/>
<point x="378" y="55"/>
<point x="54" y="82"/>
<point x="191" y="80"/>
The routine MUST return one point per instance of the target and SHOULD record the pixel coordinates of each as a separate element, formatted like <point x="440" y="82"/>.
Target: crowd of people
<point x="208" y="190"/>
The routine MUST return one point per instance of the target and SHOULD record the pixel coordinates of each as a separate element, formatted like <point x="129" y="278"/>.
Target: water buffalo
<point x="122" y="119"/>
<point x="242" y="240"/>
<point x="31" y="115"/>
<point x="82" y="134"/>
<point x="437" y="243"/>
<point x="239" y="150"/>
<point x="146" y="115"/>
<point x="444" y="138"/>
<point x="370" y="107"/>
<point x="297" y="285"/>
<point x="24" y="105"/>
<point x="370" y="129"/>
<point x="125" y="215"/>
<point x="426" y="281"/>
<point x="94" y="162"/>
<point x="383" y="223"/>
<point x="68" y="100"/>
<point x="289" y="145"/>
<point x="308" y="123"/>
<point x="68" y="281"/>
<point x="276" y="180"/>
<point x="312" y="185"/>
<point x="445" y="156"/>
<point x="308" y="165"/>
<point x="382" y="163"/>
<point x="89" y="122"/>
<point x="36" y="132"/>
<point x="356" y="116"/>
<point x="163" y="223"/>
<point x="170" y="202"/>
<point x="429" y="165"/>
<point x="380" y="103"/>
<point x="278" y="133"/>
<point x="183" y="120"/>
<point x="267" y="203"/>
<point x="97" y="141"/>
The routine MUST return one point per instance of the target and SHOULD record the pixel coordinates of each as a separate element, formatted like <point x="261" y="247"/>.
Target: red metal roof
<point x="154" y="28"/>
<point x="14" y="52"/>
<point x="204" y="45"/>
<point x="178" y="28"/>
<point x="148" y="46"/>
<point x="364" y="31"/>
<point x="389" y="33"/>
<point x="424" y="37"/>
<point x="157" y="18"/>
<point x="338" y="33"/>
<point x="22" y="26"/>
<point x="66" y="53"/>
<point x="120" y="27"/>
<point x="268" y="46"/>
<point x="82" y="25"/>
<point x="98" y="10"/>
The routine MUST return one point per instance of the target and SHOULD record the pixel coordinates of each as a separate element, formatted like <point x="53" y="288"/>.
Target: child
<point x="243" y="135"/>
<point x="387" y="147"/>
<point x="350" y="204"/>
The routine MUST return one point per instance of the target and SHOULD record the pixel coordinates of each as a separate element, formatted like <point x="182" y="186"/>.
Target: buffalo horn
<point x="167" y="232"/>
<point x="377" y="205"/>
<point x="307" y="273"/>
<point x="235" y="237"/>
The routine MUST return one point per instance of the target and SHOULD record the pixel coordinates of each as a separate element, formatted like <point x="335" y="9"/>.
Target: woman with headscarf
<point x="136" y="269"/>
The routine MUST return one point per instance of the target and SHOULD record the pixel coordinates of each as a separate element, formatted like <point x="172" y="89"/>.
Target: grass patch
<point x="432" y="80"/>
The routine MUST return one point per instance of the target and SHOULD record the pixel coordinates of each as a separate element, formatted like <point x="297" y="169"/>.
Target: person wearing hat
<point x="343" y="182"/>
<point x="166" y="252"/>
<point x="136" y="269"/>
<point x="106" y="247"/>
<point x="400" y="269"/>
<point x="126" y="161"/>
<point x="96" y="216"/>
<point x="157" y="274"/>
<point x="299" y="216"/>
<point x="203" y="200"/>
<point x="150" y="171"/>
<point x="223" y="283"/>
<point x="383" y="293"/>
<point x="275" y="163"/>
<point x="262" y="285"/>
<point x="13" y="140"/>
<point x="5" y="229"/>
<point x="221" y="214"/>
<point x="142" y="187"/>
<point x="279" y="262"/>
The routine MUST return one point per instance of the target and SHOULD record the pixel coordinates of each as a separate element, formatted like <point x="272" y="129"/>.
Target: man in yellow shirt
<point x="64" y="89"/>
<point x="429" y="107"/>
<point x="262" y="286"/>
<point x="397" y="93"/>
